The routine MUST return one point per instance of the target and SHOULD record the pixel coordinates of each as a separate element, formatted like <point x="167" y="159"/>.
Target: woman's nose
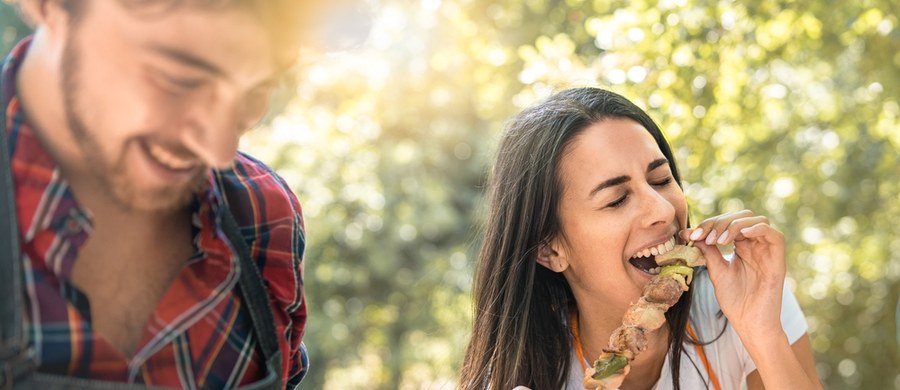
<point x="656" y="208"/>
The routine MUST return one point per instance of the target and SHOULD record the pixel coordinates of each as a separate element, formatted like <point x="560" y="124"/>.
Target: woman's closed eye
<point x="619" y="201"/>
<point x="663" y="182"/>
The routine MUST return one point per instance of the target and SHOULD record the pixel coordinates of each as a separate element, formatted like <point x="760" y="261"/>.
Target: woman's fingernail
<point x="696" y="234"/>
<point x="711" y="238"/>
<point x="722" y="238"/>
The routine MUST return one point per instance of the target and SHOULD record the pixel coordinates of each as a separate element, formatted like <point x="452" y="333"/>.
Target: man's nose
<point x="213" y="132"/>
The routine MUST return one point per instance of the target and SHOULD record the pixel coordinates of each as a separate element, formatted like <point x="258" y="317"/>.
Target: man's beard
<point x="113" y="176"/>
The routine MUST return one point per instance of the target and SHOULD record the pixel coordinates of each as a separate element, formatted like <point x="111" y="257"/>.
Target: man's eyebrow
<point x="188" y="59"/>
<point x="618" y="180"/>
<point x="277" y="77"/>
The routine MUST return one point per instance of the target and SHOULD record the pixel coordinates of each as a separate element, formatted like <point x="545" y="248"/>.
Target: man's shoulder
<point x="256" y="194"/>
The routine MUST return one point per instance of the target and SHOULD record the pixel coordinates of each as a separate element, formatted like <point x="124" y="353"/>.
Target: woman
<point x="583" y="183"/>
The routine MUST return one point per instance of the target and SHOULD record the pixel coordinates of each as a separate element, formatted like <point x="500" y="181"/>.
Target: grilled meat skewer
<point x="646" y="315"/>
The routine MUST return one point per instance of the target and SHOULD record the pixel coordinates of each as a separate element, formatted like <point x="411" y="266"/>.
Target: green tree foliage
<point x="11" y="28"/>
<point x="788" y="108"/>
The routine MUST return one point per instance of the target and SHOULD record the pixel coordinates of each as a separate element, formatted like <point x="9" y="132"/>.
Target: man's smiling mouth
<point x="169" y="159"/>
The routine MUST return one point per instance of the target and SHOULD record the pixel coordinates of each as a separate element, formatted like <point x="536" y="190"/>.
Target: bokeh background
<point x="789" y="108"/>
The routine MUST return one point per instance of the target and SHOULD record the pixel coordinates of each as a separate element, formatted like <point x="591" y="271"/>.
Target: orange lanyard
<point x="573" y="323"/>
<point x="579" y="352"/>
<point x="699" y="348"/>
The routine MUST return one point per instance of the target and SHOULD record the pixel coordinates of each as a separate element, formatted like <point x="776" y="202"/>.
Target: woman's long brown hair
<point x="520" y="333"/>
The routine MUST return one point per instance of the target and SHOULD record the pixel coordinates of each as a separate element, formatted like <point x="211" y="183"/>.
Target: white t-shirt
<point x="727" y="356"/>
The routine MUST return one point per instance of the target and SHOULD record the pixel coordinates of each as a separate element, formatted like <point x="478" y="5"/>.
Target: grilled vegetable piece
<point x="687" y="255"/>
<point x="609" y="364"/>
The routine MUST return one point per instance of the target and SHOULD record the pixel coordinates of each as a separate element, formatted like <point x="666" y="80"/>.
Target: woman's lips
<point x="645" y="260"/>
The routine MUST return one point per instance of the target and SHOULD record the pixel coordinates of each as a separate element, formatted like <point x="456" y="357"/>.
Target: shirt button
<point x="73" y="227"/>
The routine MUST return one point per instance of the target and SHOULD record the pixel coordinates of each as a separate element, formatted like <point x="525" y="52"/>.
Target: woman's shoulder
<point x="703" y="297"/>
<point x="706" y="316"/>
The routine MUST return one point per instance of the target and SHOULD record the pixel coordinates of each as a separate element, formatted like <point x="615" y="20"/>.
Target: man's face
<point x="155" y="99"/>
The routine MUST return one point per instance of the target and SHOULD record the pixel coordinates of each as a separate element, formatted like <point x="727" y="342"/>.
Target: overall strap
<point x="14" y="359"/>
<point x="256" y="299"/>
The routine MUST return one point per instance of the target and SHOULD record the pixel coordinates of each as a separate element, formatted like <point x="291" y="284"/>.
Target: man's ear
<point x="41" y="12"/>
<point x="551" y="255"/>
<point x="31" y="11"/>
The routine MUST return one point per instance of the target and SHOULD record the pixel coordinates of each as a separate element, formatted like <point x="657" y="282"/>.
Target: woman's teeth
<point x="657" y="250"/>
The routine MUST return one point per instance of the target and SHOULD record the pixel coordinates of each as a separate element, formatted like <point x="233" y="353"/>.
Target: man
<point x="122" y="124"/>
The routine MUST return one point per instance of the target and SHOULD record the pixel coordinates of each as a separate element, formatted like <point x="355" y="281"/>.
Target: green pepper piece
<point x="678" y="269"/>
<point x="609" y="366"/>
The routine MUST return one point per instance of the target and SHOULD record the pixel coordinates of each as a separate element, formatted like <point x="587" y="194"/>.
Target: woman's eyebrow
<point x="656" y="164"/>
<point x="618" y="180"/>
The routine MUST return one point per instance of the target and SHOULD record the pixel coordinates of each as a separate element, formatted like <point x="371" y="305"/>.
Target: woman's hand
<point x="749" y="287"/>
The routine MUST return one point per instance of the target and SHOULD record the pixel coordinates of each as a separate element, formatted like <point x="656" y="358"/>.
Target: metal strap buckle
<point x="6" y="378"/>
<point x="15" y="363"/>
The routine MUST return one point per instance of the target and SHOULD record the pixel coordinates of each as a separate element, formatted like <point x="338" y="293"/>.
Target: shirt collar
<point x="11" y="68"/>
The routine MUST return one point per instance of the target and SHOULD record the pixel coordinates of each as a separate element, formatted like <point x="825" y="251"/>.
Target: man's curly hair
<point x="290" y="22"/>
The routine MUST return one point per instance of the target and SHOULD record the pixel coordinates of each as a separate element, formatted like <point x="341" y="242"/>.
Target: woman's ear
<point x="552" y="256"/>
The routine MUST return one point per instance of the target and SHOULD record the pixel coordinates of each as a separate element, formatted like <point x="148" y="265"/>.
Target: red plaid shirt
<point x="198" y="336"/>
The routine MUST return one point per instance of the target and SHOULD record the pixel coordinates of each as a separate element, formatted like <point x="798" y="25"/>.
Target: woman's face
<point x="619" y="198"/>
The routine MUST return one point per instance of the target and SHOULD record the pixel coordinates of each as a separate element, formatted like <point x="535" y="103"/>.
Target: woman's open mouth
<point x="645" y="260"/>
